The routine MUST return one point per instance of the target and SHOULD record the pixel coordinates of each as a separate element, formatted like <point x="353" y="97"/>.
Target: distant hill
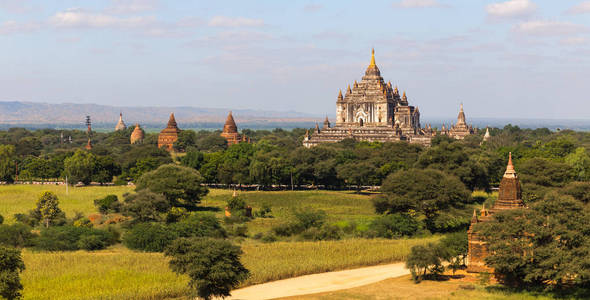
<point x="70" y="115"/>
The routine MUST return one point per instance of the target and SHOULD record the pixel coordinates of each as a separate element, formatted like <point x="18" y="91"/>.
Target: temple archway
<point x="361" y="122"/>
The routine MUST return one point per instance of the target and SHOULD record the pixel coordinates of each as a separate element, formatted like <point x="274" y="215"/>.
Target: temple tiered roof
<point x="169" y="135"/>
<point x="120" y="125"/>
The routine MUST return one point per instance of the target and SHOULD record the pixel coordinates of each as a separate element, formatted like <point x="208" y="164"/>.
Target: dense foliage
<point x="213" y="265"/>
<point x="11" y="264"/>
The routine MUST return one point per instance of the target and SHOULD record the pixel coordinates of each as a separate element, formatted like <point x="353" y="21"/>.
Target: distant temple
<point x="372" y="110"/>
<point x="120" y="125"/>
<point x="509" y="197"/>
<point x="460" y="130"/>
<point x="169" y="135"/>
<point x="230" y="132"/>
<point x="137" y="135"/>
<point x="486" y="136"/>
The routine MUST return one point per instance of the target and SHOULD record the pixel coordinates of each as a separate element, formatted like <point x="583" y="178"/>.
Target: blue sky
<point x="515" y="59"/>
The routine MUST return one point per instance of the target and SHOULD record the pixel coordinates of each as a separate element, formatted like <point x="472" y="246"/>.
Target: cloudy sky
<point x="517" y="58"/>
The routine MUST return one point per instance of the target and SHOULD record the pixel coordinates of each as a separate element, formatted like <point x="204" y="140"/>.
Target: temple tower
<point x="460" y="130"/>
<point x="169" y="135"/>
<point x="509" y="197"/>
<point x="137" y="135"/>
<point x="230" y="131"/>
<point x="120" y="125"/>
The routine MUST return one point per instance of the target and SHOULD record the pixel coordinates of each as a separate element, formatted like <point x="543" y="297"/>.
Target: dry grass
<point x="22" y="198"/>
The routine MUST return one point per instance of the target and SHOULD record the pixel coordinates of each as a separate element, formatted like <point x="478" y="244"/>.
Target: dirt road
<point x="322" y="282"/>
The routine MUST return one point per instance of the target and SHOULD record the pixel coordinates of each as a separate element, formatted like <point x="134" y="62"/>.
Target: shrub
<point x="310" y="218"/>
<point x="324" y="233"/>
<point x="66" y="238"/>
<point x="16" y="235"/>
<point x="235" y="204"/>
<point x="150" y="237"/>
<point x="1" y="219"/>
<point x="264" y="212"/>
<point x="83" y="222"/>
<point x="26" y="219"/>
<point x="423" y="260"/>
<point x="108" y="204"/>
<point x="269" y="238"/>
<point x="394" y="226"/>
<point x="91" y="242"/>
<point x="240" y="230"/>
<point x="199" y="225"/>
<point x="288" y="229"/>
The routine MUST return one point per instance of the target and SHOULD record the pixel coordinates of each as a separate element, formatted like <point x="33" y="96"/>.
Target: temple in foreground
<point x="372" y="110"/>
<point x="509" y="197"/>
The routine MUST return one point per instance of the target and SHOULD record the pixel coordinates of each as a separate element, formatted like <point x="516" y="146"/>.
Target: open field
<point x="404" y="288"/>
<point x="21" y="198"/>
<point x="119" y="273"/>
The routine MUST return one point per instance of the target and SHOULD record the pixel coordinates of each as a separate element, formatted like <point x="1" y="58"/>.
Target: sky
<point x="501" y="59"/>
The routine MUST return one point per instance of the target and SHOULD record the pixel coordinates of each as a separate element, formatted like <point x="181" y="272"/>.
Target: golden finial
<point x="372" y="64"/>
<point x="404" y="96"/>
<point x="339" y="94"/>
<point x="355" y="84"/>
<point x="396" y="90"/>
<point x="348" y="90"/>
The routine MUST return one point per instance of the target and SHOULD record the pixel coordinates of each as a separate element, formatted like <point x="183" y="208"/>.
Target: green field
<point x="119" y="273"/>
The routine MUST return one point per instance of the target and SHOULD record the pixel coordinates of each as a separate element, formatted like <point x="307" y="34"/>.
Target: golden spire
<point x="404" y="96"/>
<point x="339" y="94"/>
<point x="510" y="172"/>
<point x="396" y="91"/>
<point x="355" y="84"/>
<point x="372" y="64"/>
<point x="349" y="90"/>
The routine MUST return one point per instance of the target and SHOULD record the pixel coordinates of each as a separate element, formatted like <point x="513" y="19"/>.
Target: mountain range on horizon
<point x="72" y="115"/>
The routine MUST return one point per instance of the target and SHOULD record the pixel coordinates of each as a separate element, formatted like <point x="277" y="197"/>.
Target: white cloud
<point x="549" y="28"/>
<point x="582" y="8"/>
<point x="511" y="9"/>
<point x="223" y="21"/>
<point x="417" y="3"/>
<point x="131" y="6"/>
<point x="77" y="18"/>
<point x="11" y="27"/>
<point x="573" y="41"/>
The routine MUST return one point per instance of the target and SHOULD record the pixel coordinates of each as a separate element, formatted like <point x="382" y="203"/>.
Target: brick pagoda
<point x="169" y="135"/>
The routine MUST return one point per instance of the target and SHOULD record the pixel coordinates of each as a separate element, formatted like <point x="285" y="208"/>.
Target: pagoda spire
<point x="510" y="172"/>
<point x="372" y="64"/>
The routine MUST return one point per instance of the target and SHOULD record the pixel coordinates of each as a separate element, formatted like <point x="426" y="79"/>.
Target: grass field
<point x="119" y="273"/>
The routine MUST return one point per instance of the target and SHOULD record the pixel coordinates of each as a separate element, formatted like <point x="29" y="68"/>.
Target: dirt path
<point x="322" y="282"/>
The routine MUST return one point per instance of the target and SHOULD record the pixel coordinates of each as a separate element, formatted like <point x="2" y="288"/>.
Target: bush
<point x="235" y="204"/>
<point x="16" y="235"/>
<point x="240" y="230"/>
<point x="310" y="218"/>
<point x="150" y="237"/>
<point x="108" y="204"/>
<point x="264" y="212"/>
<point x="269" y="238"/>
<point x="324" y="233"/>
<point x="1" y="219"/>
<point x="26" y="219"/>
<point x="394" y="226"/>
<point x="199" y="225"/>
<point x="91" y="242"/>
<point x="424" y="261"/>
<point x="67" y="238"/>
<point x="288" y="229"/>
<point x="83" y="222"/>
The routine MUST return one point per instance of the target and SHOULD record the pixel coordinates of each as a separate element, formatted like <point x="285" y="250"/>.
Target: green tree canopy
<point x="48" y="207"/>
<point x="180" y="185"/>
<point x="425" y="191"/>
<point x="213" y="265"/>
<point x="11" y="264"/>
<point x="80" y="167"/>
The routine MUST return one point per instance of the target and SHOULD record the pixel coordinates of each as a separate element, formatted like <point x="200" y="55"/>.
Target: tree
<point x="180" y="185"/>
<point x="545" y="172"/>
<point x="11" y="264"/>
<point x="47" y="207"/>
<point x="545" y="246"/>
<point x="455" y="246"/>
<point x="356" y="173"/>
<point x="193" y="159"/>
<point x="186" y="139"/>
<point x="580" y="163"/>
<point x="213" y="265"/>
<point x="424" y="259"/>
<point x="80" y="167"/>
<point x="7" y="163"/>
<point x="425" y="191"/>
<point x="145" y="206"/>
